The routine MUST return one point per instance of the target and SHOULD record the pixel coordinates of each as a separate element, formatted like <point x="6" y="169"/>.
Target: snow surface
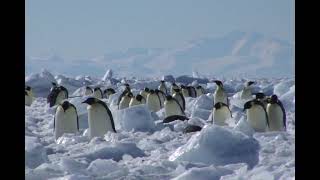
<point x="144" y="148"/>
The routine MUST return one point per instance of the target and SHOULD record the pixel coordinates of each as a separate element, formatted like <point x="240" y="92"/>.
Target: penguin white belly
<point x="275" y="115"/>
<point x="257" y="118"/>
<point x="87" y="92"/>
<point x="246" y="94"/>
<point x="97" y="94"/>
<point x="134" y="102"/>
<point x="172" y="108"/>
<point x="220" y="96"/>
<point x="199" y="92"/>
<point x="27" y="100"/>
<point x="65" y="122"/>
<point x="178" y="98"/>
<point x="60" y="97"/>
<point x="124" y="103"/>
<point x="221" y="115"/>
<point x="185" y="93"/>
<point x="153" y="103"/>
<point x="98" y="120"/>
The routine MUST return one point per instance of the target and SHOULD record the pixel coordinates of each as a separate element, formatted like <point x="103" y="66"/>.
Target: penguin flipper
<point x="174" y="117"/>
<point x="109" y="113"/>
<point x="76" y="115"/>
<point x="284" y="115"/>
<point x="192" y="128"/>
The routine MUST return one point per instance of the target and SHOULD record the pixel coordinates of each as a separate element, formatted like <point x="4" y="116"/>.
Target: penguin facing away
<point x="276" y="114"/>
<point x="97" y="93"/>
<point x="125" y="100"/>
<point x="162" y="87"/>
<point x="257" y="116"/>
<point x="137" y="100"/>
<point x="221" y="113"/>
<point x="246" y="91"/>
<point x="108" y="92"/>
<point x="100" y="118"/>
<point x="65" y="119"/>
<point x="179" y="97"/>
<point x="88" y="91"/>
<point x="28" y="96"/>
<point x="153" y="101"/>
<point x="220" y="95"/>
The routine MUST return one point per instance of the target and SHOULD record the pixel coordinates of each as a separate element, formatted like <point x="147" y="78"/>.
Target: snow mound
<point x="40" y="83"/>
<point x="201" y="113"/>
<point x="35" y="153"/>
<point x="211" y="172"/>
<point x="283" y="87"/>
<point x="219" y="146"/>
<point x="244" y="127"/>
<point x="136" y="118"/>
<point x="204" y="102"/>
<point x="102" y="167"/>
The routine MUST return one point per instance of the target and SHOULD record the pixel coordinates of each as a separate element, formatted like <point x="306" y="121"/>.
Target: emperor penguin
<point x="257" y="116"/>
<point x="246" y="91"/>
<point x="276" y="114"/>
<point x="125" y="100"/>
<point x="221" y="113"/>
<point x="126" y="90"/>
<point x="199" y="90"/>
<point x="220" y="95"/>
<point x="184" y="91"/>
<point x="137" y="100"/>
<point x="173" y="110"/>
<point x="28" y="96"/>
<point x="100" y="119"/>
<point x="153" y="101"/>
<point x="88" y="91"/>
<point x="57" y="95"/>
<point x="162" y="87"/>
<point x="161" y="95"/>
<point x="65" y="119"/>
<point x="192" y="91"/>
<point x="108" y="92"/>
<point x="144" y="92"/>
<point x="179" y="97"/>
<point x="97" y="93"/>
<point x="173" y="87"/>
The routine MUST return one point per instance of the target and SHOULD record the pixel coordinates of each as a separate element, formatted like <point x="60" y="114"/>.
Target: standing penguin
<point x="144" y="92"/>
<point x="137" y="100"/>
<point x="276" y="114"/>
<point x="161" y="95"/>
<point x="162" y="87"/>
<point x="97" y="93"/>
<point x="153" y="101"/>
<point x="57" y="95"/>
<point x="108" y="92"/>
<point x="185" y="91"/>
<point x="246" y="91"/>
<point x="221" y="113"/>
<point x="28" y="96"/>
<point x="173" y="110"/>
<point x="256" y="115"/>
<point x="199" y="90"/>
<point x="100" y="119"/>
<point x="126" y="90"/>
<point x="220" y="95"/>
<point x="173" y="87"/>
<point x="179" y="97"/>
<point x="88" y="91"/>
<point x="125" y="100"/>
<point x="65" y="119"/>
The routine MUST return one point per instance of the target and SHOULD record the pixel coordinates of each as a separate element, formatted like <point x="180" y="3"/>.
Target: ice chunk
<point x="244" y="127"/>
<point x="35" y="153"/>
<point x="40" y="83"/>
<point x="103" y="167"/>
<point x="211" y="172"/>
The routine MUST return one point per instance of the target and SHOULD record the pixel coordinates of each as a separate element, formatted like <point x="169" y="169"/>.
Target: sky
<point x="85" y="29"/>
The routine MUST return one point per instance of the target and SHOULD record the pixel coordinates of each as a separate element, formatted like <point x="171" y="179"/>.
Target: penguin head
<point x="28" y="88"/>
<point x="247" y="105"/>
<point x="162" y="81"/>
<point x="260" y="95"/>
<point x="88" y="88"/>
<point x="151" y="91"/>
<point x="127" y="85"/>
<point x="127" y="89"/>
<point x="54" y="84"/>
<point x="174" y="84"/>
<point x="218" y="105"/>
<point x="157" y="91"/>
<point x="249" y="83"/>
<point x="65" y="105"/>
<point x="198" y="87"/>
<point x="273" y="99"/>
<point x="219" y="83"/>
<point x="146" y="89"/>
<point x="169" y="98"/>
<point x="183" y="87"/>
<point x="96" y="88"/>
<point x="139" y="97"/>
<point x="90" y="100"/>
<point x="176" y="90"/>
